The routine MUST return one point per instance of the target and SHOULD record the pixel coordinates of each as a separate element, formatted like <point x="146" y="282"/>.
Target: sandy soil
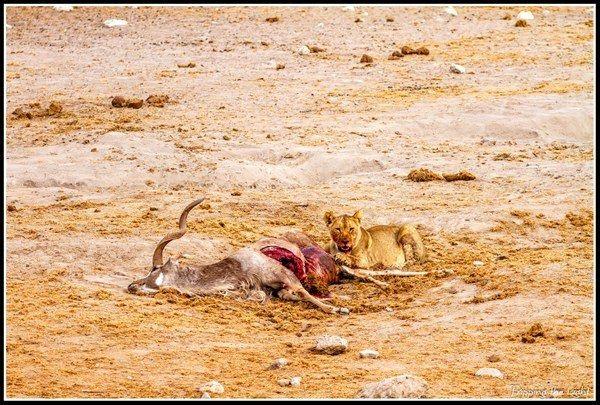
<point x="92" y="188"/>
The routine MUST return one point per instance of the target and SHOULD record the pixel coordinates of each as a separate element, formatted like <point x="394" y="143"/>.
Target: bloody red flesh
<point x="316" y="270"/>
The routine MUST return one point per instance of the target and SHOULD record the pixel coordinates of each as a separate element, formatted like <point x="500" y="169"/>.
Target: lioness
<point x="381" y="246"/>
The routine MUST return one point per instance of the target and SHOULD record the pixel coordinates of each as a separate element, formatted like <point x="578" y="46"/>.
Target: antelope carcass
<point x="255" y="271"/>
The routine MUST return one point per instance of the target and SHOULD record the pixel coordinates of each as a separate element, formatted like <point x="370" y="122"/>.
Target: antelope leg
<point x="305" y="296"/>
<point x="358" y="273"/>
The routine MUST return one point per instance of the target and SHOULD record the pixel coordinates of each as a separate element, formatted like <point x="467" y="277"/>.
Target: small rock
<point x="205" y="395"/>
<point x="295" y="381"/>
<point x="454" y="68"/>
<point x="507" y="16"/>
<point x="389" y="309"/>
<point x="11" y="208"/>
<point x="213" y="387"/>
<point x="94" y="150"/>
<point x="357" y="20"/>
<point x="135" y="103"/>
<point x="157" y="100"/>
<point x="478" y="263"/>
<point x="451" y="10"/>
<point x="186" y="65"/>
<point x="113" y="22"/>
<point x="369" y="354"/>
<point x="279" y="363"/>
<point x="521" y="23"/>
<point x="226" y="137"/>
<point x="366" y="59"/>
<point x="389" y="19"/>
<point x="396" y="55"/>
<point x="236" y="193"/>
<point x="316" y="49"/>
<point x="118" y="102"/>
<point x="525" y="15"/>
<point x="272" y="19"/>
<point x="279" y="66"/>
<point x="332" y="345"/>
<point x="304" y="50"/>
<point x="63" y="7"/>
<point x="403" y="386"/>
<point x="494" y="358"/>
<point x="344" y="311"/>
<point x="284" y="382"/>
<point x="349" y="8"/>
<point x="489" y="372"/>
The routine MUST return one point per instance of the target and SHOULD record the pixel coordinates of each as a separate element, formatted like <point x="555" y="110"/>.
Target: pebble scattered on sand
<point x="295" y="381"/>
<point x="489" y="372"/>
<point x="521" y="23"/>
<point x="304" y="50"/>
<point x="113" y="22"/>
<point x="451" y="10"/>
<point x="279" y="363"/>
<point x="494" y="358"/>
<point x="344" y="311"/>
<point x="369" y="354"/>
<point x="272" y="19"/>
<point x="212" y="387"/>
<point x="478" y="263"/>
<point x="525" y="15"/>
<point x="279" y="66"/>
<point x="330" y="344"/>
<point x="403" y="386"/>
<point x="454" y="68"/>
<point x="366" y="59"/>
<point x="186" y="65"/>
<point x="63" y="7"/>
<point x="349" y="8"/>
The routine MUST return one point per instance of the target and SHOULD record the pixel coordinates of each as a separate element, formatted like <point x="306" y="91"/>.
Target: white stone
<point x="279" y="363"/>
<point x="344" y="311"/>
<point x="63" y="7"/>
<point x="349" y="8"/>
<point x="403" y="386"/>
<point x="454" y="68"/>
<point x="304" y="50"/>
<point x="489" y="372"/>
<point x="331" y="344"/>
<point x="295" y="381"/>
<point x="369" y="354"/>
<point x="478" y="263"/>
<point x="319" y="26"/>
<point x="525" y="15"/>
<point x="213" y="387"/>
<point x="451" y="10"/>
<point x="112" y="22"/>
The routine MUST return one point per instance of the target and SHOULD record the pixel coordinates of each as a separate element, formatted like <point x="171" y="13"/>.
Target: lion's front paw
<point x="342" y="259"/>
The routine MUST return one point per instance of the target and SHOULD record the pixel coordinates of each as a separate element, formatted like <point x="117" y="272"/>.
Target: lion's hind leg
<point x="411" y="243"/>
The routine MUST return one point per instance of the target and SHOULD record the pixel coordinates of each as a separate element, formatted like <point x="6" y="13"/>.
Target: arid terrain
<point x="91" y="189"/>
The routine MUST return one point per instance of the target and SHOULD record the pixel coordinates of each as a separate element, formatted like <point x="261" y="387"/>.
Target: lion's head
<point x="344" y="229"/>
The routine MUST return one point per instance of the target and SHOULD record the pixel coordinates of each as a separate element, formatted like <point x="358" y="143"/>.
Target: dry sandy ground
<point x="92" y="188"/>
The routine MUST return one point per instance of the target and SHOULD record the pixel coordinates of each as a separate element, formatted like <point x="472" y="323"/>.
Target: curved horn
<point x="157" y="257"/>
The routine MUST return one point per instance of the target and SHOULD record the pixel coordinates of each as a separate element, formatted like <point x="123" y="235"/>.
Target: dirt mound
<point x="35" y="110"/>
<point x="423" y="174"/>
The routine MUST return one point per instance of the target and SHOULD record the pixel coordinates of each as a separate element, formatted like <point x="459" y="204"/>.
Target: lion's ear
<point x="358" y="215"/>
<point x="328" y="217"/>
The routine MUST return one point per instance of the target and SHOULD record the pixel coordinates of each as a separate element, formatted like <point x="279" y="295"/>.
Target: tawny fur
<point x="381" y="246"/>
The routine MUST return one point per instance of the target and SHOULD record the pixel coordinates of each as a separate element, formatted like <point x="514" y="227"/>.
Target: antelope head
<point x="162" y="273"/>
